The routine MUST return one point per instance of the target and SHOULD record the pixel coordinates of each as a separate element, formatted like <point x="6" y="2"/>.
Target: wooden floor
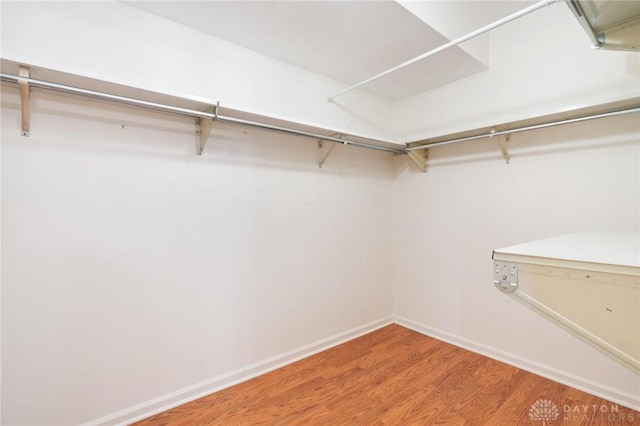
<point x="395" y="376"/>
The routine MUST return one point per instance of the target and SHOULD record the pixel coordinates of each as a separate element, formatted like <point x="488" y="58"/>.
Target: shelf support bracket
<point x="204" y="127"/>
<point x="25" y="91"/>
<point x="421" y="158"/>
<point x="326" y="155"/>
<point x="503" y="146"/>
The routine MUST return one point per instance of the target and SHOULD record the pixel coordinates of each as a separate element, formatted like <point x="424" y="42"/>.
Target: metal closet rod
<point x="188" y="112"/>
<point x="527" y="128"/>
<point x="473" y="34"/>
<point x="578" y="11"/>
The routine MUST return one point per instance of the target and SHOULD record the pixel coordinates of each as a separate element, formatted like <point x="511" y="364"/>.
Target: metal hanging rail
<point x="185" y="111"/>
<point x="524" y="129"/>
<point x="473" y="34"/>
<point x="576" y="8"/>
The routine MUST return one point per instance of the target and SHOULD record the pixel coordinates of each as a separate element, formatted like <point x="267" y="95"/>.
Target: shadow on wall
<point x="92" y="126"/>
<point x="360" y="117"/>
<point x="604" y="133"/>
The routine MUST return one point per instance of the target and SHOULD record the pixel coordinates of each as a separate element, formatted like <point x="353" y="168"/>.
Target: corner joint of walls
<point x="420" y="158"/>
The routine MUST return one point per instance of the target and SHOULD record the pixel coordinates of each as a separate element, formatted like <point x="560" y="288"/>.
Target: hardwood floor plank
<point x="395" y="376"/>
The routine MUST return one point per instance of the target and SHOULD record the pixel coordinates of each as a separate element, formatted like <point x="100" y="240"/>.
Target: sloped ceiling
<point x="347" y="41"/>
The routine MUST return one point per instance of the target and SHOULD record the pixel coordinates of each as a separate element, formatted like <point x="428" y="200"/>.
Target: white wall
<point x="579" y="177"/>
<point x="115" y="42"/>
<point x="540" y="64"/>
<point x="134" y="268"/>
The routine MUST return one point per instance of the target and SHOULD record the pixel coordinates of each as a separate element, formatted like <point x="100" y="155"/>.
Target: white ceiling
<point x="348" y="41"/>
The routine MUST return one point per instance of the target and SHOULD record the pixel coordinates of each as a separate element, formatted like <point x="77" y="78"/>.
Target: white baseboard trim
<point x="617" y="396"/>
<point x="190" y="393"/>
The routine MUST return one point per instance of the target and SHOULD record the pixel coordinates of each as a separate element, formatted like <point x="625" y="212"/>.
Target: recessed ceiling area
<point x="347" y="41"/>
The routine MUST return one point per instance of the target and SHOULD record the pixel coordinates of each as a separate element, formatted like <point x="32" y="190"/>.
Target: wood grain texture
<point x="395" y="376"/>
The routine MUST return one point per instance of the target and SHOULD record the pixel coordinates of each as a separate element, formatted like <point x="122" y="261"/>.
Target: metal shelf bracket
<point x="204" y="127"/>
<point x="333" y="145"/>
<point x="502" y="144"/>
<point x="505" y="276"/>
<point x="421" y="158"/>
<point x="25" y="91"/>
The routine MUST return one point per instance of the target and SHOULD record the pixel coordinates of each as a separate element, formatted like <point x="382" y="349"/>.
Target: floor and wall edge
<point x="190" y="393"/>
<point x="198" y="390"/>
<point x="598" y="389"/>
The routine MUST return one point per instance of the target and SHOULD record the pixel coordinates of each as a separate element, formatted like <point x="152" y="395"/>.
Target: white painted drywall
<point x="540" y="64"/>
<point x="134" y="268"/>
<point x="575" y="178"/>
<point x="115" y="42"/>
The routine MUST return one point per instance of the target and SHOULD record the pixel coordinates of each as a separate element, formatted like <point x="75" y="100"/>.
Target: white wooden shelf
<point x="617" y="253"/>
<point x="587" y="283"/>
